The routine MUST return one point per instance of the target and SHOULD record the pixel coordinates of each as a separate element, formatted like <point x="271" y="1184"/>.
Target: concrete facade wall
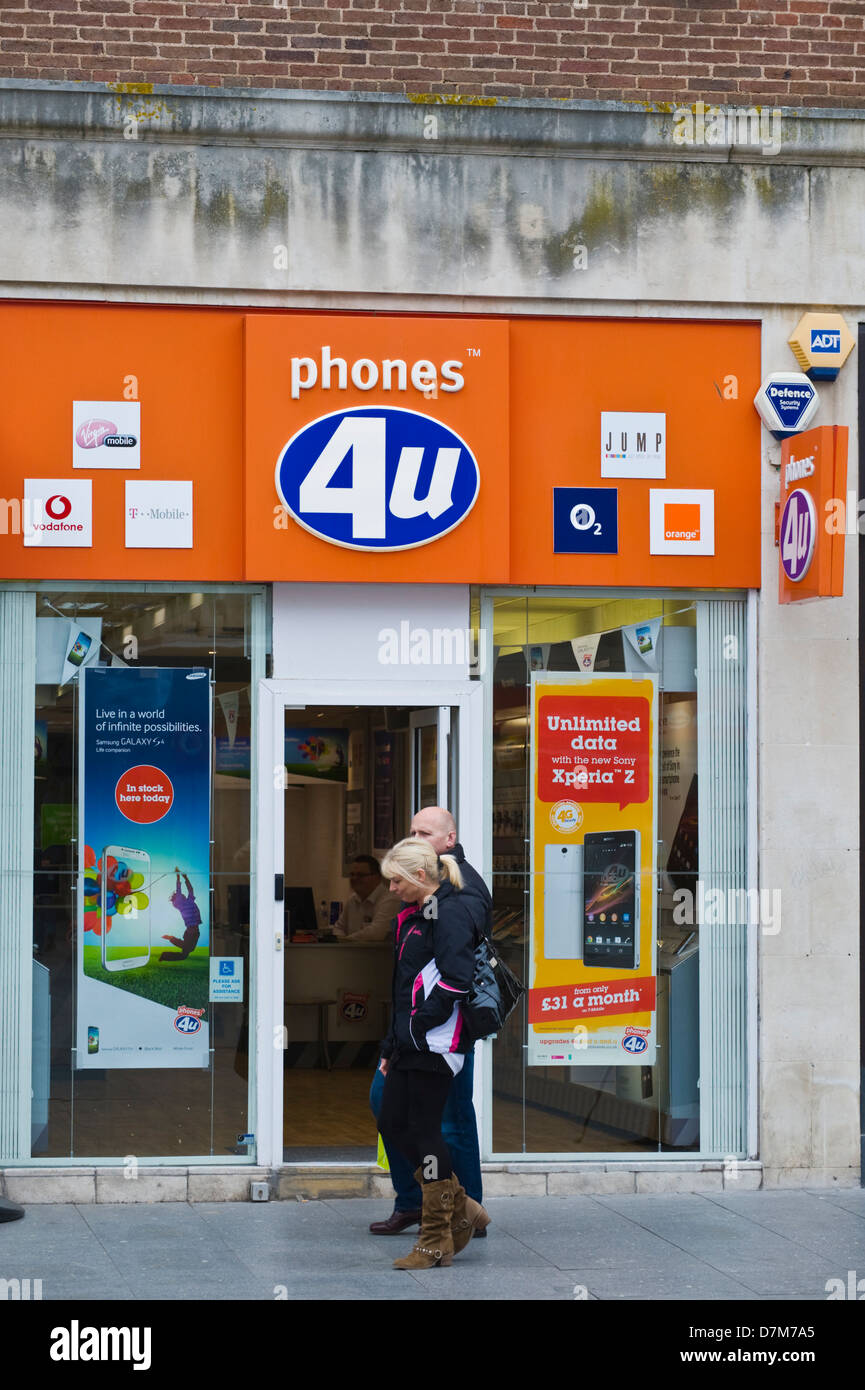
<point x="294" y="200"/>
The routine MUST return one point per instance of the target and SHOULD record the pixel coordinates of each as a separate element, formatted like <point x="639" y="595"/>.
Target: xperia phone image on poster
<point x="127" y="945"/>
<point x="563" y="902"/>
<point x="611" y="925"/>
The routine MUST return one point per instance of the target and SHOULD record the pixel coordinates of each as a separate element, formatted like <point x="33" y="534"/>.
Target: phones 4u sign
<point x="811" y="530"/>
<point x="353" y="1008"/>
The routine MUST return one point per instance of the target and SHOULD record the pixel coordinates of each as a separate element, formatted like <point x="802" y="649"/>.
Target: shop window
<point x="581" y="1102"/>
<point x="126" y="927"/>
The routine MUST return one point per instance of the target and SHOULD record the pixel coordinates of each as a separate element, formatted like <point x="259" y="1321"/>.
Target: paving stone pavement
<point x="746" y="1247"/>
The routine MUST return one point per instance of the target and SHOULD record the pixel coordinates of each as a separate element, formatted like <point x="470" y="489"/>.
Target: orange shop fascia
<point x="352" y="447"/>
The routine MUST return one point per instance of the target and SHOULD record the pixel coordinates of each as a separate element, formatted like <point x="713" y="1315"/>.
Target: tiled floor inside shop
<point x="327" y="1117"/>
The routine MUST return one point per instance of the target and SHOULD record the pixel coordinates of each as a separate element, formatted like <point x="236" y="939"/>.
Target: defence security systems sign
<point x="586" y="520"/>
<point x="144" y="868"/>
<point x="377" y="478"/>
<point x="633" y="444"/>
<point x="106" y="434"/>
<point x="821" y="344"/>
<point x="58" y="512"/>
<point x="786" y="403"/>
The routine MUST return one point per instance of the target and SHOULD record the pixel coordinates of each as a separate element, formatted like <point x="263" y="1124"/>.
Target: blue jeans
<point x="460" y="1133"/>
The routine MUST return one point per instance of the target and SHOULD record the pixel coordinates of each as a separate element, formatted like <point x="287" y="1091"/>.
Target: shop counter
<point x="356" y="975"/>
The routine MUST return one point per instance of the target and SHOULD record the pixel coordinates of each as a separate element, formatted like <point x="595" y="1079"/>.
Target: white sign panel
<point x="226" y="979"/>
<point x="58" y="511"/>
<point x="158" y="515"/>
<point x="106" y="434"/>
<point x="63" y="647"/>
<point x="633" y="444"/>
<point x="381" y="632"/>
<point x="681" y="521"/>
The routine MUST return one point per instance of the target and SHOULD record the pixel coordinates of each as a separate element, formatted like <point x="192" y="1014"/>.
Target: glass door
<point x="343" y="782"/>
<point x="433" y="751"/>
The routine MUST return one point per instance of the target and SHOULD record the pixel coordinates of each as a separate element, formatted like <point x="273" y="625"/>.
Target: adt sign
<point x="821" y="344"/>
<point x="377" y="478"/>
<point x="825" y="340"/>
<point x="787" y="403"/>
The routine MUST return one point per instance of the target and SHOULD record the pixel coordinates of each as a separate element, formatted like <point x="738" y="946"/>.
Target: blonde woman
<point x="434" y="944"/>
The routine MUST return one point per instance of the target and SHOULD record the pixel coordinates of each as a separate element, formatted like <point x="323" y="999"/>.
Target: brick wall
<point x="794" y="52"/>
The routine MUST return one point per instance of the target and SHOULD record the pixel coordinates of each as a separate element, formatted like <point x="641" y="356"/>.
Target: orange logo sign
<point x="682" y="521"/>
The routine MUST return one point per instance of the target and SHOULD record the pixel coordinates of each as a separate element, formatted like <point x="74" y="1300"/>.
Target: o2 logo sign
<point x="377" y="478"/>
<point x="634" y="1043"/>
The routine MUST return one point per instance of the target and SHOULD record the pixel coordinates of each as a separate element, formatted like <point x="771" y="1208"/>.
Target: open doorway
<point x="354" y="777"/>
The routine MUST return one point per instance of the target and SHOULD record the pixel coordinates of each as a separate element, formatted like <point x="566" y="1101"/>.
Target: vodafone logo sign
<point x="58" y="507"/>
<point x="58" y="512"/>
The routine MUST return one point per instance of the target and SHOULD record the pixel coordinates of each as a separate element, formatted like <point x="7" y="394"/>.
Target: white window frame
<point x="274" y="698"/>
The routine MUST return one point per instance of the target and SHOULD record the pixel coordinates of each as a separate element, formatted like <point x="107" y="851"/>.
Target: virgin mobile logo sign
<point x="92" y="433"/>
<point x="377" y="478"/>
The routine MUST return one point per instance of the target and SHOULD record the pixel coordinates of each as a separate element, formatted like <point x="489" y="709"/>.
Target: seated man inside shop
<point x="368" y="915"/>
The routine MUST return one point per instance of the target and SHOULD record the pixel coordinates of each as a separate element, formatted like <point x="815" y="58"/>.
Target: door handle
<point x="279" y="888"/>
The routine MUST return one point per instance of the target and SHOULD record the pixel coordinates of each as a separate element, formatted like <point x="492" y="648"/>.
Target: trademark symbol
<point x="473" y="352"/>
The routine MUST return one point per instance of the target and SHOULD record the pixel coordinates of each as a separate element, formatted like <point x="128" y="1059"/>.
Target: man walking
<point x="459" y="1124"/>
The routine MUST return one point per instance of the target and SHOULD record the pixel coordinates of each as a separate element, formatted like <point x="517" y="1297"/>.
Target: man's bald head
<point x="437" y="826"/>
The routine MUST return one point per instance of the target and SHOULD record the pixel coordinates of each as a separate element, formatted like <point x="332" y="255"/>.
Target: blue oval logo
<point x="377" y="478"/>
<point x="187" y="1023"/>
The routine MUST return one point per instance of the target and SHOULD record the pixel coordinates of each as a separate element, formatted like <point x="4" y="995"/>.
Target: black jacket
<point x="474" y="884"/>
<point x="434" y="946"/>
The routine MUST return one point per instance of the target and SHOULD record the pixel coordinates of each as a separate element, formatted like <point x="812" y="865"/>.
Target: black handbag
<point x="494" y="993"/>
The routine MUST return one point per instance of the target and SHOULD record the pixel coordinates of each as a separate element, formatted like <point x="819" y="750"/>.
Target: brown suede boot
<point x="434" y="1244"/>
<point x="468" y="1217"/>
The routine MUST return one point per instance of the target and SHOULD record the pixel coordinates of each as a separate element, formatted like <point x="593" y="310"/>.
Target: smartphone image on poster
<point x="92" y="1039"/>
<point x="563" y="902"/>
<point x="77" y="654"/>
<point x="124" y="897"/>
<point x="611" y="892"/>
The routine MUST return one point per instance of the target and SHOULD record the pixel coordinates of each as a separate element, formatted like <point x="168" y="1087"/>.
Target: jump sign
<point x="586" y="520"/>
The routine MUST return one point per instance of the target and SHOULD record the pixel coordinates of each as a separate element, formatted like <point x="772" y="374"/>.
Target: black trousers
<point x="411" y="1118"/>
